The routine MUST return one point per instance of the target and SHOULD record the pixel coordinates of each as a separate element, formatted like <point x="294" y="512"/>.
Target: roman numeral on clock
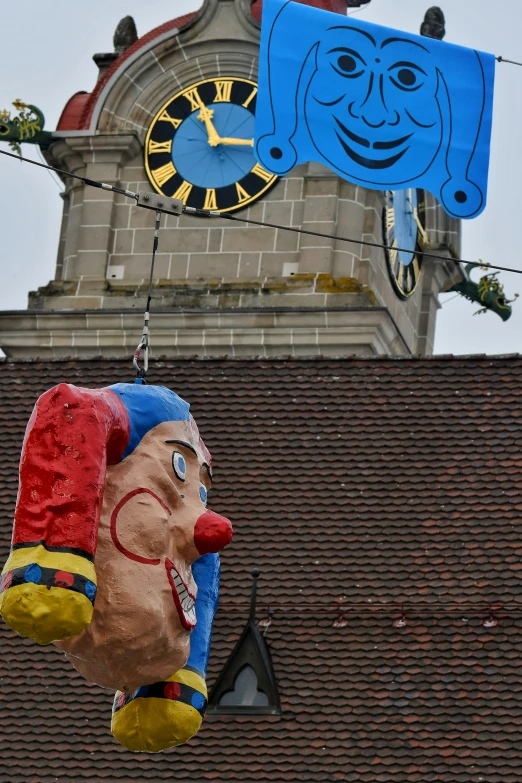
<point x="195" y="101"/>
<point x="163" y="174"/>
<point x="390" y="218"/>
<point x="183" y="192"/>
<point x="165" y="117"/>
<point x="210" y="199"/>
<point x="250" y="98"/>
<point x="160" y="146"/>
<point x="259" y="171"/>
<point x="394" y="254"/>
<point x="223" y="91"/>
<point x="242" y="195"/>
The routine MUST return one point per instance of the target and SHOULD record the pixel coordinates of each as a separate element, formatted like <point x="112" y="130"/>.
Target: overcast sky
<point x="47" y="51"/>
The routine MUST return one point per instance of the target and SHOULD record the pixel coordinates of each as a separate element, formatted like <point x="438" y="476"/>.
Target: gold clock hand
<point x="421" y="228"/>
<point x="244" y="142"/>
<point x="205" y="115"/>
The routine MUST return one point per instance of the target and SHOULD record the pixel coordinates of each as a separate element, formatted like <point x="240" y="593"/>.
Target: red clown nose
<point x="212" y="533"/>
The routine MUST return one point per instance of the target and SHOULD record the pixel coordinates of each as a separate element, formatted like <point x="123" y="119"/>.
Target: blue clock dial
<point x="214" y="167"/>
<point x="404" y="204"/>
<point x="199" y="147"/>
<point x="404" y="232"/>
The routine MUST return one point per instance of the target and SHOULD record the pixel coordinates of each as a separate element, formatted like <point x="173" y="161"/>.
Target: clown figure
<point x="114" y="554"/>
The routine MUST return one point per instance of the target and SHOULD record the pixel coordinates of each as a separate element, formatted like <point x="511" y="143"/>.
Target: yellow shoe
<point x="45" y="595"/>
<point x="160" y="716"/>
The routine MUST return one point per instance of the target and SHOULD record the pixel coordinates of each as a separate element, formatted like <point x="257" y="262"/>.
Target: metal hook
<point x="143" y="345"/>
<point x="265" y="624"/>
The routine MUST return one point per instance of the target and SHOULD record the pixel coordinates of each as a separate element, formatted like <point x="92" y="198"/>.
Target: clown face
<point x="154" y="524"/>
<point x="371" y="106"/>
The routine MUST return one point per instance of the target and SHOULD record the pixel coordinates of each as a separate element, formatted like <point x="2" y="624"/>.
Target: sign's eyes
<point x="407" y="76"/>
<point x="203" y="494"/>
<point x="347" y="62"/>
<point x="179" y="465"/>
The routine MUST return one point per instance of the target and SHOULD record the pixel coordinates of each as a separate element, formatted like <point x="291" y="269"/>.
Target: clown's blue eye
<point x="203" y="493"/>
<point x="179" y="465"/>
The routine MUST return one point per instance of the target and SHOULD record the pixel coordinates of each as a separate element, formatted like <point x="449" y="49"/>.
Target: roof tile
<point x="362" y="486"/>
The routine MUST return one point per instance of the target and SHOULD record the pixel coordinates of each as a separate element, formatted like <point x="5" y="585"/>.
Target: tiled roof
<point x="377" y="483"/>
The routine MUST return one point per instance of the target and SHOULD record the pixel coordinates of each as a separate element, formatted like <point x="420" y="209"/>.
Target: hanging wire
<point x="92" y="182"/>
<point x="144" y="343"/>
<point x="365" y="243"/>
<point x="56" y="181"/>
<point x="511" y="62"/>
<point x="457" y="296"/>
<point x="226" y="216"/>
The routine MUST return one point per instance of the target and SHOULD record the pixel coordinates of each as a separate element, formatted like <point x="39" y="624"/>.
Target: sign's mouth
<point x="371" y="163"/>
<point x="184" y="600"/>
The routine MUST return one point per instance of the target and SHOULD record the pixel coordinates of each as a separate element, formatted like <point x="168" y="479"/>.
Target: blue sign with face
<point x="383" y="109"/>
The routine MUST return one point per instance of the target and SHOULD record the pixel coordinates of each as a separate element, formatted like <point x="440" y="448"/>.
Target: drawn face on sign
<point x="380" y="107"/>
<point x="154" y="524"/>
<point x="373" y="106"/>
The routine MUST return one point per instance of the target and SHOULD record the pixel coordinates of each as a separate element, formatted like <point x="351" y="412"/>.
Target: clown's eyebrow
<point x="184" y="443"/>
<point x="193" y="450"/>
<point x="404" y="40"/>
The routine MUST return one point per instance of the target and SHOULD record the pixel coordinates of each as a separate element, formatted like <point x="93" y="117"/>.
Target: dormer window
<point x="247" y="683"/>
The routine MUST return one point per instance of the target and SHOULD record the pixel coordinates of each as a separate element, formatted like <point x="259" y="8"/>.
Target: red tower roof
<point x="72" y="112"/>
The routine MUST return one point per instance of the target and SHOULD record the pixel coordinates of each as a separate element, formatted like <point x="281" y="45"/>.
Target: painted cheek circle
<point x="114" y="535"/>
<point x="212" y="533"/>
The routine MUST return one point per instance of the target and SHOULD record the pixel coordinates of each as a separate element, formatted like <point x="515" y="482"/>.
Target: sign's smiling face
<point x="154" y="525"/>
<point x="373" y="105"/>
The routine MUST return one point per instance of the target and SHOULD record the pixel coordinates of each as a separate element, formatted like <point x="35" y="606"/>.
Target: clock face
<point x="404" y="226"/>
<point x="199" y="147"/>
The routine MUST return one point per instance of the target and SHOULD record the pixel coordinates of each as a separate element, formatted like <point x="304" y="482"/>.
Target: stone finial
<point x="433" y="25"/>
<point x="125" y="34"/>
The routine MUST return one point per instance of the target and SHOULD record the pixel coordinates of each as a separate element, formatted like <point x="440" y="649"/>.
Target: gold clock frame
<point x="188" y="92"/>
<point x="397" y="271"/>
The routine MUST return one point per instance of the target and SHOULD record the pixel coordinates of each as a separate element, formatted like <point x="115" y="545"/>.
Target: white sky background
<point x="46" y="57"/>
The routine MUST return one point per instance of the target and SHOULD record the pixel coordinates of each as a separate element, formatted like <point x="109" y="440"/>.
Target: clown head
<point x="111" y="515"/>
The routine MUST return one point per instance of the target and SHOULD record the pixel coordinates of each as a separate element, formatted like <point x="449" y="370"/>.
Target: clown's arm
<point x="160" y="716"/>
<point x="49" y="582"/>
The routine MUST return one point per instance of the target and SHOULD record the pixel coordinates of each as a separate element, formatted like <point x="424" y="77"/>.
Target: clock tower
<point x="173" y="113"/>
